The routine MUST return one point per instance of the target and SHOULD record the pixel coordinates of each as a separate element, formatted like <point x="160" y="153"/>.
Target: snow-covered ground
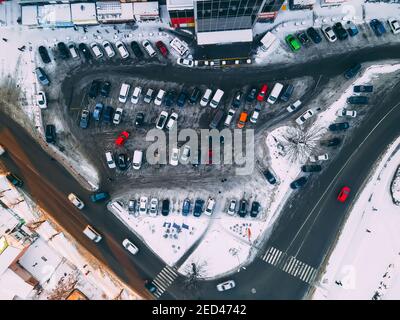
<point x="365" y="263"/>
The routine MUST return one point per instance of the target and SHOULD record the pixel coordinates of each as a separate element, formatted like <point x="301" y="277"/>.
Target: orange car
<point x="242" y="120"/>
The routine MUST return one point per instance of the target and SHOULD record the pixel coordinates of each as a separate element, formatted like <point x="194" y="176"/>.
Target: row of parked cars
<point x="337" y="31"/>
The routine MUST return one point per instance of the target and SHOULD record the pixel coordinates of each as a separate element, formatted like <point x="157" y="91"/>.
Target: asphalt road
<point x="306" y="229"/>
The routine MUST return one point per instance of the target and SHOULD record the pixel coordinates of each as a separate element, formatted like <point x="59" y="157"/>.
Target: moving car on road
<point x="351" y="72"/>
<point x="294" y="106"/>
<point x="347" y="113"/>
<point x="296" y="184"/>
<point x="130" y="246"/>
<point x="227" y="285"/>
<point x="357" y="100"/>
<point x="331" y="142"/>
<point x="306" y="115"/>
<point x="311" y="168"/>
<point x="92" y="234"/>
<point x="343" y="194"/>
<point x="322" y="157"/>
<point x="99" y="196"/>
<point x="339" y="126"/>
<point x="76" y="201"/>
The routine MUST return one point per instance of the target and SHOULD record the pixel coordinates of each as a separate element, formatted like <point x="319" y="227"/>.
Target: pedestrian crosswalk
<point x="164" y="279"/>
<point x="290" y="265"/>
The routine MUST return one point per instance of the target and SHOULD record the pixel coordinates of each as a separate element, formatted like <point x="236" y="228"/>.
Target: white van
<point x="110" y="160"/>
<point x="179" y="46"/>
<point x="269" y="41"/>
<point x="137" y="159"/>
<point x="216" y="99"/>
<point x="206" y="98"/>
<point x="160" y="96"/>
<point x="92" y="234"/>
<point x="124" y="92"/>
<point x="276" y="91"/>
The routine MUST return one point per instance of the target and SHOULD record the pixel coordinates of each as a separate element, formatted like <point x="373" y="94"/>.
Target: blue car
<point x="108" y="114"/>
<point x="351" y="72"/>
<point x="378" y="27"/>
<point x="183" y="96"/>
<point x="99" y="196"/>
<point x="186" y="207"/>
<point x="98" y="109"/>
<point x="198" y="207"/>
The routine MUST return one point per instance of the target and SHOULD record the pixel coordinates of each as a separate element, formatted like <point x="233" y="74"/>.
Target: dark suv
<point x="165" y="207"/>
<point x="44" y="54"/>
<point x="331" y="143"/>
<point x="298" y="183"/>
<point x="311" y="168"/>
<point x="198" y="207"/>
<point x="136" y="50"/>
<point x="255" y="209"/>
<point x="269" y="176"/>
<point x="94" y="89"/>
<point x="195" y="96"/>
<point x="105" y="89"/>
<point x="64" y="51"/>
<point x="314" y="35"/>
<point x="340" y="32"/>
<point x="50" y="133"/>
<point x="339" y="126"/>
<point x="242" y="208"/>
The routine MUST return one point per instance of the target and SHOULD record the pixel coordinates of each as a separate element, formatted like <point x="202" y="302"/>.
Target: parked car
<point x="217" y="118"/>
<point x="130" y="246"/>
<point x="339" y="126"/>
<point x="311" y="168"/>
<point x="340" y="32"/>
<point x="351" y="72"/>
<point x="242" y="120"/>
<point x="153" y="210"/>
<point x="251" y="95"/>
<point x="149" y="48"/>
<point x="122" y="161"/>
<point x="44" y="54"/>
<point x="269" y="176"/>
<point x="124" y="92"/>
<point x="117" y="116"/>
<point x="14" y="180"/>
<point x="42" y="77"/>
<point x="63" y="50"/>
<point x="195" y="96"/>
<point x="378" y="27"/>
<point x="182" y="99"/>
<point x="159" y="97"/>
<point x="293" y="43"/>
<point x="105" y="89"/>
<point x="84" y="121"/>
<point x="170" y="98"/>
<point x="256" y="113"/>
<point x="132" y="206"/>
<point x="287" y="92"/>
<point x="237" y="99"/>
<point x="328" y="33"/>
<point x="363" y="88"/>
<point x="210" y="206"/>
<point x="186" y="207"/>
<point x="162" y="48"/>
<point x="314" y="35"/>
<point x="232" y="207"/>
<point x="174" y="158"/>
<point x="99" y="196"/>
<point x="122" y="137"/>
<point x="206" y="98"/>
<point x="303" y="38"/>
<point x="139" y="119"/>
<point x="108" y="48"/>
<point x="296" y="184"/>
<point x="108" y="114"/>
<point x="255" y="209"/>
<point x="94" y="89"/>
<point x="96" y="50"/>
<point x="41" y="100"/>
<point x="343" y="194"/>
<point x="331" y="142"/>
<point x="50" y="133"/>
<point x="229" y="117"/>
<point x="73" y="51"/>
<point x="171" y="121"/>
<point x="227" y="285"/>
<point x="351" y="28"/>
<point x="136" y="95"/>
<point x="162" y="119"/>
<point x="322" y="157"/>
<point x="110" y="160"/>
<point x="185" y="62"/>
<point x="261" y="95"/>
<point x="143" y="205"/>
<point x="185" y="154"/>
<point x="72" y="197"/>
<point x="149" y="95"/>
<point x="357" y="100"/>
<point x="306" y="115"/>
<point x="165" y="208"/>
<point x="394" y="25"/>
<point x="136" y="50"/>
<point x="150" y="287"/>
<point x="85" y="51"/>
<point x="294" y="106"/>
<point x="123" y="52"/>
<point x="198" y="207"/>
<point x="347" y="113"/>
<point x="242" y="208"/>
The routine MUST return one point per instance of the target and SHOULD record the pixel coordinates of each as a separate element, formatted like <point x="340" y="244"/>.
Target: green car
<point x="293" y="43"/>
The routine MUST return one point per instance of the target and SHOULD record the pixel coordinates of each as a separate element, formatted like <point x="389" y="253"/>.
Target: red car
<point x="123" y="136"/>
<point x="162" y="48"/>
<point x="343" y="194"/>
<point x="262" y="93"/>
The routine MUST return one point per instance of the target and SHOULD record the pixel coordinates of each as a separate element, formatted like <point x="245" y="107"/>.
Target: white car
<point x="255" y="114"/>
<point x="159" y="98"/>
<point x="76" y="201"/>
<point x="230" y="284"/>
<point x="171" y="121"/>
<point x="185" y="62"/>
<point x="294" y="106"/>
<point x="96" y="50"/>
<point x="130" y="246"/>
<point x="153" y="211"/>
<point x="149" y="95"/>
<point x="232" y="207"/>
<point x="306" y="115"/>
<point x="110" y="160"/>
<point x="73" y="51"/>
<point x="117" y="116"/>
<point x="185" y="154"/>
<point x="174" y="158"/>
<point x="110" y="52"/>
<point x="136" y="95"/>
<point x="210" y="206"/>
<point x="394" y="25"/>
<point x="347" y="113"/>
<point x="122" y="49"/>
<point x="41" y="100"/>
<point x="143" y="205"/>
<point x="162" y="119"/>
<point x="229" y="117"/>
<point x="149" y="48"/>
<point x="328" y="33"/>
<point x="322" y="157"/>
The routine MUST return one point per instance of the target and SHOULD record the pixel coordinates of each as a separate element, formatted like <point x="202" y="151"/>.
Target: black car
<point x="351" y="72"/>
<point x="105" y="89"/>
<point x="182" y="99"/>
<point x="357" y="100"/>
<point x="63" y="50"/>
<point x="242" y="208"/>
<point x="303" y="38"/>
<point x="136" y="50"/>
<point x="363" y="88"/>
<point x="340" y="32"/>
<point x="108" y="114"/>
<point x="311" y="168"/>
<point x="50" y="133"/>
<point x="170" y="98"/>
<point x="122" y="161"/>
<point x="255" y="209"/>
<point x="237" y="99"/>
<point x="314" y="35"/>
<point x="44" y="54"/>
<point x="331" y="143"/>
<point x="298" y="183"/>
<point x="85" y="51"/>
<point x="139" y="119"/>
<point x="339" y="126"/>
<point x="269" y="176"/>
<point x="94" y="89"/>
<point x="251" y="95"/>
<point x="198" y="207"/>
<point x="165" y="207"/>
<point x="14" y="180"/>
<point x="287" y="92"/>
<point x="195" y="96"/>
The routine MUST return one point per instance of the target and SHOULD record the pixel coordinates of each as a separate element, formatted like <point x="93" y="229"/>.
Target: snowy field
<point x="365" y="263"/>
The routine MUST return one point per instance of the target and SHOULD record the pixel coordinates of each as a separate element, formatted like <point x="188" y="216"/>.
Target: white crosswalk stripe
<point x="164" y="279"/>
<point x="290" y="265"/>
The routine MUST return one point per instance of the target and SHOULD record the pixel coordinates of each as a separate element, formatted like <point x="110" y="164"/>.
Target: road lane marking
<point x="164" y="279"/>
